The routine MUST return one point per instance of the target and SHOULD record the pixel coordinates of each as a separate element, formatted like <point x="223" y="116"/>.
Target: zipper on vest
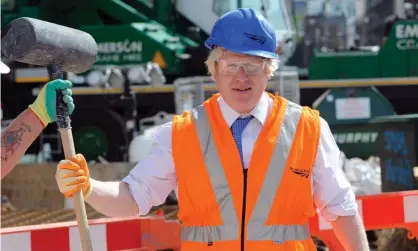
<point x="244" y="204"/>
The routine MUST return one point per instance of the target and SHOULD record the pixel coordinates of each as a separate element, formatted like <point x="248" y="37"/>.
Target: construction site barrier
<point x="114" y="234"/>
<point x="382" y="211"/>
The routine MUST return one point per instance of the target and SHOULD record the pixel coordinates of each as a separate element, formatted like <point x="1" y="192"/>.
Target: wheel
<point x="97" y="133"/>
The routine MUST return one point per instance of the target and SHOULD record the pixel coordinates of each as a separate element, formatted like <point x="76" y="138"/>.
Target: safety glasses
<point x="231" y="67"/>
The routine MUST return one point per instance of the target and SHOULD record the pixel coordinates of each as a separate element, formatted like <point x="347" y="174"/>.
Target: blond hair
<point x="216" y="54"/>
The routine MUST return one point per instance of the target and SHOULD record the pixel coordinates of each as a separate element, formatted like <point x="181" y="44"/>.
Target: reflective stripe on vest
<point x="256" y="228"/>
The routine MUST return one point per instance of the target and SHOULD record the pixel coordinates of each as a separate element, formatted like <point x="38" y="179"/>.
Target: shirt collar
<point x="259" y="112"/>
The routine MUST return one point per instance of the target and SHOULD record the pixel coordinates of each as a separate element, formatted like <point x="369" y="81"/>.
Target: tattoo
<point x="11" y="140"/>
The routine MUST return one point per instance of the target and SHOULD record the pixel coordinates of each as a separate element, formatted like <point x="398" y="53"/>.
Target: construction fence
<point x="156" y="233"/>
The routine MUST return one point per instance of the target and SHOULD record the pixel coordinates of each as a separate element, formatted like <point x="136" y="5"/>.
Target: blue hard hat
<point x="244" y="31"/>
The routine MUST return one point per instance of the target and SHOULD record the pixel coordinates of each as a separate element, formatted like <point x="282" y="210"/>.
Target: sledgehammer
<point x="59" y="48"/>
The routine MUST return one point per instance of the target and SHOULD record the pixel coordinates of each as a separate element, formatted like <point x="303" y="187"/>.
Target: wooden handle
<point x="64" y="127"/>
<point x="79" y="206"/>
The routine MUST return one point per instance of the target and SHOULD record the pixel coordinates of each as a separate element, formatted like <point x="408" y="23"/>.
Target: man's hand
<point x="45" y="104"/>
<point x="73" y="175"/>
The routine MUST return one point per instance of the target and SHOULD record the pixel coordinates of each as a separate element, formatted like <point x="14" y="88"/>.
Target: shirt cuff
<point x="331" y="212"/>
<point x="138" y="195"/>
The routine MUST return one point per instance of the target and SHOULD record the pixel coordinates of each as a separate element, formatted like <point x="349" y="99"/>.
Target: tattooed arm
<point x="21" y="133"/>
<point x="16" y="139"/>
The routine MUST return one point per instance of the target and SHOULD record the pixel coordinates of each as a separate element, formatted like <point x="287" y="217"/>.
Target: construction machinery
<point x="145" y="47"/>
<point x="134" y="32"/>
<point x="384" y="57"/>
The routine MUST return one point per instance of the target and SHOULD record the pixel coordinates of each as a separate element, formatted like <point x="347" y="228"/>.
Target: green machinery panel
<point x="352" y="105"/>
<point x="349" y="111"/>
<point x="397" y="57"/>
<point x="357" y="140"/>
<point x="127" y="32"/>
<point x="138" y="43"/>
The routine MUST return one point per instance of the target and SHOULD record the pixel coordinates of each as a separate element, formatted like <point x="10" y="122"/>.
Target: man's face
<point x="241" y="80"/>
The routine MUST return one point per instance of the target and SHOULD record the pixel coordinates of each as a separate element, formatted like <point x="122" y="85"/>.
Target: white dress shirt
<point x="153" y="178"/>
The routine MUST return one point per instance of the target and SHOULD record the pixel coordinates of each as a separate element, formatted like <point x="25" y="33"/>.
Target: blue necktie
<point x="237" y="128"/>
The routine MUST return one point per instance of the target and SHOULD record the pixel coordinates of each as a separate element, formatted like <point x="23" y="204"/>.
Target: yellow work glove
<point x="45" y="104"/>
<point x="73" y="175"/>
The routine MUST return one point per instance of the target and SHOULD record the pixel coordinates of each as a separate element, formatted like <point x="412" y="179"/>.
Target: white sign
<point x="119" y="51"/>
<point x="119" y="47"/>
<point x="352" y="108"/>
<point x="406" y="35"/>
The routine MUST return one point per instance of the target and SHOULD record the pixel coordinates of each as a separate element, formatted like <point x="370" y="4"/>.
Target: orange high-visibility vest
<point x="215" y="193"/>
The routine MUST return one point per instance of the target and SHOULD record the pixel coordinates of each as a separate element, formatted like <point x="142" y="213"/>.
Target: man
<point x="243" y="156"/>
<point x="20" y="134"/>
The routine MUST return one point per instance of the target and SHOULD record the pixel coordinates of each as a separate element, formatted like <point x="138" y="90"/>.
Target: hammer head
<point x="38" y="42"/>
